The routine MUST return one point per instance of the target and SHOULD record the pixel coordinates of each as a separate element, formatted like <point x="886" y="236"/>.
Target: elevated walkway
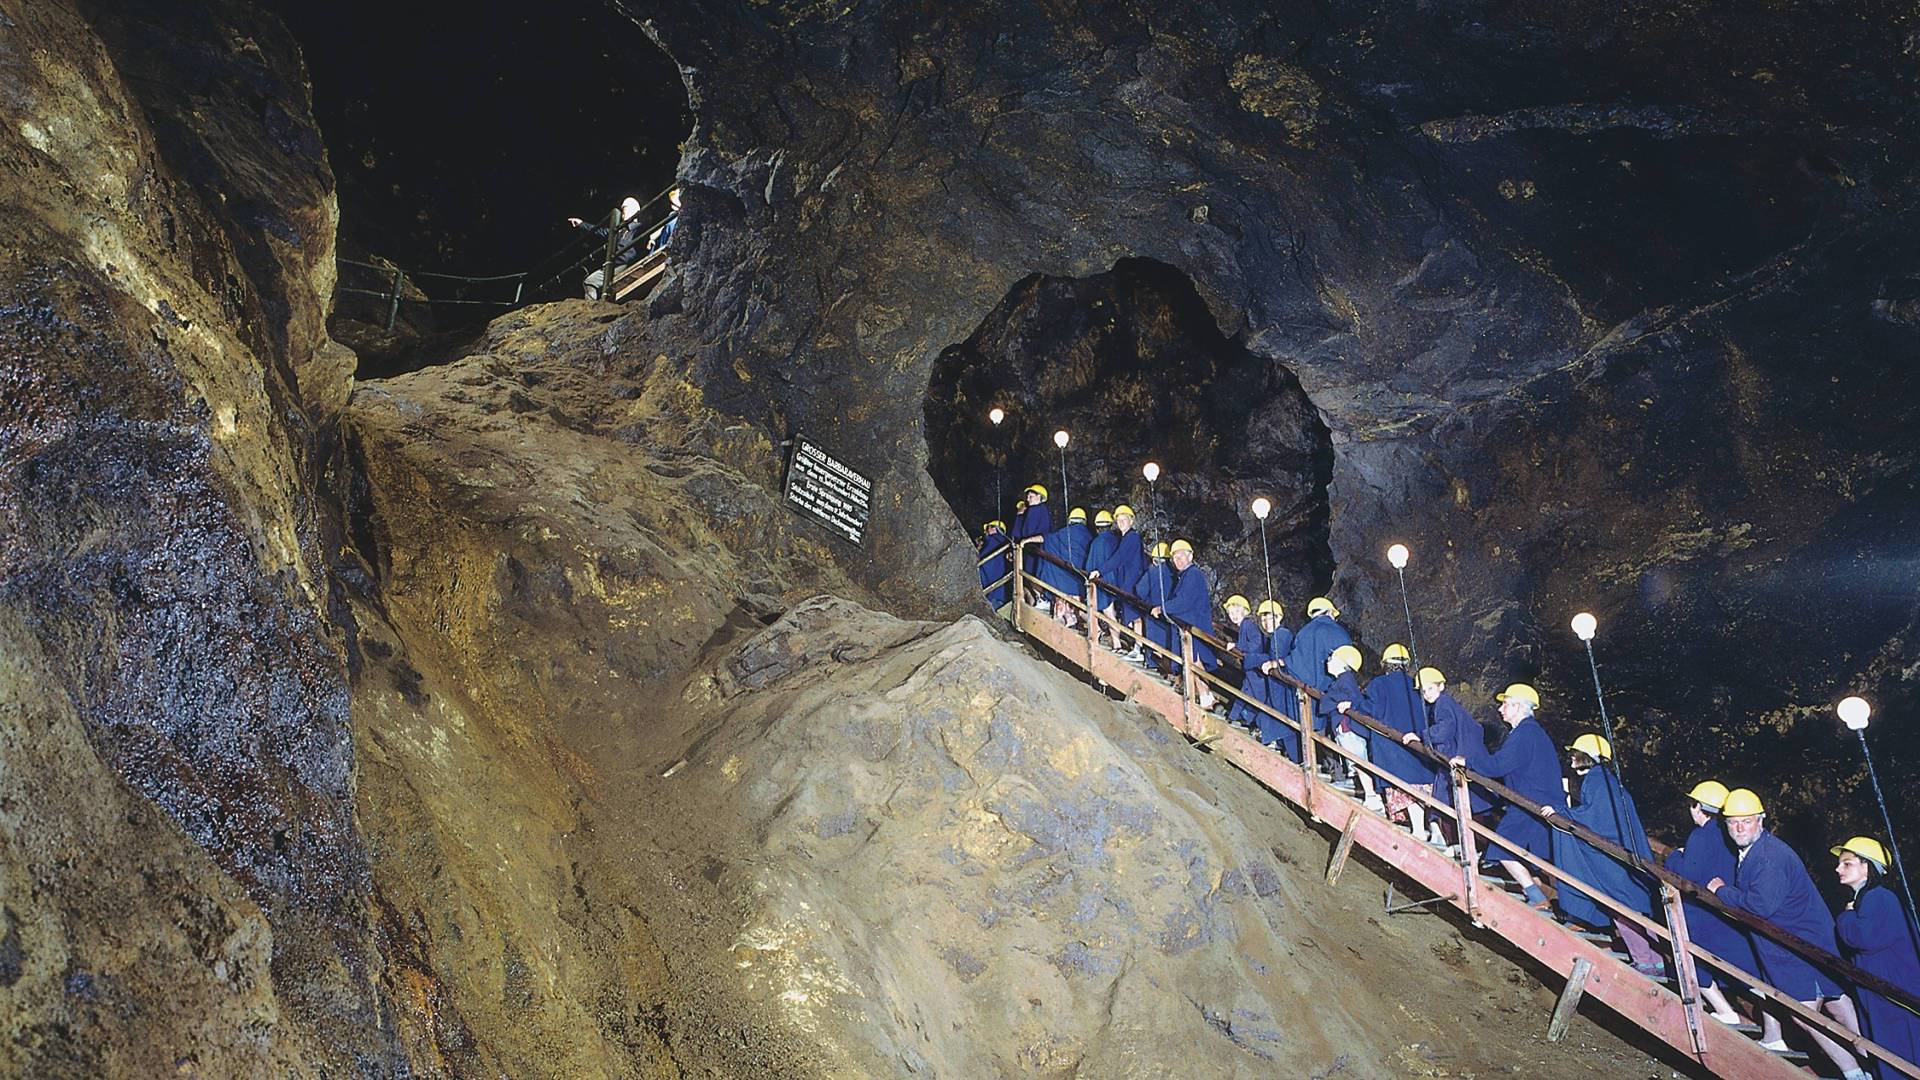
<point x="1669" y="1009"/>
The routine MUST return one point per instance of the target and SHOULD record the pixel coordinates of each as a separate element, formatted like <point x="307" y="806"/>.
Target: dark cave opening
<point x="1133" y="365"/>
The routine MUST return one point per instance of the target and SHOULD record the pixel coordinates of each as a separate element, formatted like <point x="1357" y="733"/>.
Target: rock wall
<point x="1602" y="307"/>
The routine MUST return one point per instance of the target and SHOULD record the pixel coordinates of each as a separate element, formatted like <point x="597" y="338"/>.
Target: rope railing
<point x="1671" y="888"/>
<point x="582" y="253"/>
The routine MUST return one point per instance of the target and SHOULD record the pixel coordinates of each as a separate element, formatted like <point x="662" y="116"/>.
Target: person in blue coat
<point x="1190" y="606"/>
<point x="1771" y="882"/>
<point x="1597" y="800"/>
<point x="1528" y="764"/>
<point x="1706" y="855"/>
<point x="1451" y="732"/>
<point x="1876" y="935"/>
<point x="1153" y="588"/>
<point x="1245" y="632"/>
<point x="1330" y="713"/>
<point x="1266" y="658"/>
<point x="1314" y="642"/>
<point x="1122" y="566"/>
<point x="1031" y="524"/>
<point x="1103" y="540"/>
<point x="1392" y="698"/>
<point x="997" y="562"/>
<point x="1069" y="544"/>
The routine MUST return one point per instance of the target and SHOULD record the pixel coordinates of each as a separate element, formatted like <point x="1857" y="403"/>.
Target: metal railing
<point x="1473" y="895"/>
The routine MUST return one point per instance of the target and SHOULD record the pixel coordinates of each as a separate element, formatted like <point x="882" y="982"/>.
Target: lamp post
<point x="998" y="414"/>
<point x="1854" y="712"/>
<point x="1261" y="508"/>
<point x="1060" y="440"/>
<point x="1397" y="555"/>
<point x="1151" y="470"/>
<point x="1584" y="627"/>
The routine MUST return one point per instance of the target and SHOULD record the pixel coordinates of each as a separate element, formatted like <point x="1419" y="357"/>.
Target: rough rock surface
<point x="1603" y="306"/>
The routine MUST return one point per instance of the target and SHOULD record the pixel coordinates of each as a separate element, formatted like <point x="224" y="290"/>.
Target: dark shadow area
<point x="1132" y="364"/>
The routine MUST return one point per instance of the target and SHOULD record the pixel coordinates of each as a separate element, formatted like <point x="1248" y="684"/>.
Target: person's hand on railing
<point x="1343" y="706"/>
<point x="1156" y="612"/>
<point x="1715" y="885"/>
<point x="575" y="222"/>
<point x="1457" y="761"/>
<point x="1409" y="739"/>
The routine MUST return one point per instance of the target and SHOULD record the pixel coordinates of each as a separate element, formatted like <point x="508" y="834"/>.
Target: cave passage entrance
<point x="1133" y="365"/>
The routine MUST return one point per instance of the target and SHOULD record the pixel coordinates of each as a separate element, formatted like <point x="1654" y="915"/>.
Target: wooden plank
<point x="1569" y="999"/>
<point x="1342" y="849"/>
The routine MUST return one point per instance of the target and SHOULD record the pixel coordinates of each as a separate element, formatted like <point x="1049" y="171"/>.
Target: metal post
<point x="1407" y="606"/>
<point x="1308" y="767"/>
<point x="393" y="310"/>
<point x="1606" y="722"/>
<point x="613" y="241"/>
<point x="1469" y="847"/>
<point x="1066" y="501"/>
<point x="1266" y="560"/>
<point x="1683" y="965"/>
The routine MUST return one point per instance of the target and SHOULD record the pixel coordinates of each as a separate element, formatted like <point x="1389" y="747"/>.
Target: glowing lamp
<point x="1585" y="626"/>
<point x="1261" y="508"/>
<point x="1060" y="439"/>
<point x="1151" y="471"/>
<point x="996" y="414"/>
<point x="1397" y="555"/>
<point x="1854" y="712"/>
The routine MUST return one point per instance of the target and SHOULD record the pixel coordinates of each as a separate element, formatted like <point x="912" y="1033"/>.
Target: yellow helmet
<point x="996" y="523"/>
<point x="1079" y="514"/>
<point x="1594" y="746"/>
<point x="1396" y="653"/>
<point x="1349" y="656"/>
<point x="1320" y="605"/>
<point x="1158" y="551"/>
<point x="1181" y="545"/>
<point x="1037" y="489"/>
<point x="1522" y="691"/>
<point x="1742" y="803"/>
<point x="1104" y="517"/>
<point x="1867" y="848"/>
<point x="1236" y="598"/>
<point x="1430" y="676"/>
<point x="1271" y="607"/>
<point x="1711" y="794"/>
<point x="1123" y="508"/>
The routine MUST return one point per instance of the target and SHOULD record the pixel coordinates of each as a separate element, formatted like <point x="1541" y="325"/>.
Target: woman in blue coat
<point x="1875" y="934"/>
<point x="1314" y="642"/>
<point x="1102" y="544"/>
<point x="1706" y="855"/>
<point x="1597" y="800"/>
<point x="993" y="542"/>
<point x="1393" y="699"/>
<point x="1527" y="763"/>
<point x="1153" y="588"/>
<point x="1190" y="606"/>
<point x="1123" y="565"/>
<point x="1069" y="544"/>
<point x="1451" y="732"/>
<point x="1265" y="658"/>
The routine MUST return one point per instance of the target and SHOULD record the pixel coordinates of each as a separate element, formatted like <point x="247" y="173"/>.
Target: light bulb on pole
<point x="1855" y="712"/>
<point x="1397" y="557"/>
<point x="1261" y="508"/>
<point x="1151" y="470"/>
<point x="1060" y="440"/>
<point x="996" y="415"/>
<point x="1584" y="627"/>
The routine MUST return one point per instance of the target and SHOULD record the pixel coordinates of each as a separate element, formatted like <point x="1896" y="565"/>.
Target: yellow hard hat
<point x="1181" y="545"/>
<point x="1742" y="803"/>
<point x="1158" y="551"/>
<point x="1236" y="598"/>
<point x="1123" y="508"/>
<point x="1320" y="605"/>
<point x="1271" y="607"/>
<point x="996" y="523"/>
<point x="1078" y="513"/>
<point x="1711" y="794"/>
<point x="1038" y="489"/>
<point x="1594" y="746"/>
<point x="1430" y="676"/>
<point x="1867" y="848"/>
<point x="1349" y="656"/>
<point x="1522" y="691"/>
<point x="1104" y="517"/>
<point x="1395" y="653"/>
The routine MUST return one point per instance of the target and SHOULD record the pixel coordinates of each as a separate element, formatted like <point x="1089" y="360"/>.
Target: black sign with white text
<point x="828" y="491"/>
